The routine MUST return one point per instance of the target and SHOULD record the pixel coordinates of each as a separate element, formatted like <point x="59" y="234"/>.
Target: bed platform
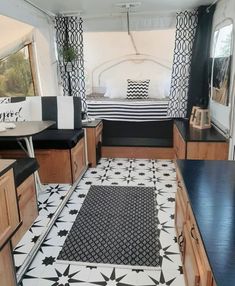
<point x="134" y="125"/>
<point x="122" y="109"/>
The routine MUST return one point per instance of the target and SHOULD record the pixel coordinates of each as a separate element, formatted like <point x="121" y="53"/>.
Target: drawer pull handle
<point x="192" y="235"/>
<point x="181" y="234"/>
<point x="181" y="241"/>
<point x="179" y="185"/>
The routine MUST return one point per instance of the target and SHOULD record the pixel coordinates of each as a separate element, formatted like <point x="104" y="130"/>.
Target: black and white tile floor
<point x="45" y="271"/>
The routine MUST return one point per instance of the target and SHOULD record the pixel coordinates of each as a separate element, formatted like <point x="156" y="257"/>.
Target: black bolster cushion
<point x="23" y="168"/>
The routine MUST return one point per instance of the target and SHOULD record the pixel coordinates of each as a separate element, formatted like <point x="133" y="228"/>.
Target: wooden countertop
<point x="211" y="191"/>
<point x="191" y="134"/>
<point x="26" y="128"/>
<point x="5" y="165"/>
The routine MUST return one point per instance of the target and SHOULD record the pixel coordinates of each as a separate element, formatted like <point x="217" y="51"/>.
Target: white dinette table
<point x="24" y="130"/>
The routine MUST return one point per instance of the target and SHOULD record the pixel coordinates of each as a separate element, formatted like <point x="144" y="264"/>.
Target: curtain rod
<point x="49" y="14"/>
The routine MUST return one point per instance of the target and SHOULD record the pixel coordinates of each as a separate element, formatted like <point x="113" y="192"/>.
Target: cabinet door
<point x="7" y="268"/>
<point x="9" y="214"/>
<point x="27" y="201"/>
<point x="78" y="159"/>
<point x="179" y="145"/>
<point x="98" y="133"/>
<point x="191" y="271"/>
<point x="199" y="251"/>
<point x="179" y="220"/>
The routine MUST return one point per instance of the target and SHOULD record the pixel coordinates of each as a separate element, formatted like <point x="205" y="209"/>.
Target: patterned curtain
<point x="69" y="38"/>
<point x="186" y="24"/>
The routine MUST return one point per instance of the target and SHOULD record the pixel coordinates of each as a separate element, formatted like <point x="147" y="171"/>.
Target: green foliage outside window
<point x="15" y="75"/>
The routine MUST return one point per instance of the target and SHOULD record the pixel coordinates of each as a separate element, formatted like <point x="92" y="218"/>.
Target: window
<point x="16" y="74"/>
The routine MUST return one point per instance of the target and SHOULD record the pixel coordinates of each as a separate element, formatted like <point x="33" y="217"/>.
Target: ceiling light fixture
<point x="128" y="6"/>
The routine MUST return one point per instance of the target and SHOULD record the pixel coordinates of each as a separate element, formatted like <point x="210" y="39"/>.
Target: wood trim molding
<point x="33" y="68"/>
<point x="138" y="152"/>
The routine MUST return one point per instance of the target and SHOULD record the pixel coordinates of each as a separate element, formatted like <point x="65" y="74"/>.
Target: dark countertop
<point x="191" y="134"/>
<point x="211" y="190"/>
<point x="91" y="124"/>
<point x="5" y="165"/>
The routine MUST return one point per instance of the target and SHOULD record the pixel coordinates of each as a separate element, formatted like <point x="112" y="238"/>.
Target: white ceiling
<point x="102" y="7"/>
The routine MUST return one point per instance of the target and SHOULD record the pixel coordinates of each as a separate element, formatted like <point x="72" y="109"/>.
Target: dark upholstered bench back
<point x="64" y="110"/>
<point x="138" y="134"/>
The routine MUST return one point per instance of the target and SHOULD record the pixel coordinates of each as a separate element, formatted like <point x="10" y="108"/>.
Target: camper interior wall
<point x="100" y="47"/>
<point x="221" y="113"/>
<point x="43" y="42"/>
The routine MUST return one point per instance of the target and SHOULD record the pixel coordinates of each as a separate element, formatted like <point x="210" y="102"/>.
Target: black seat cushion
<point x="23" y="168"/>
<point x="57" y="139"/>
<point x="48" y="139"/>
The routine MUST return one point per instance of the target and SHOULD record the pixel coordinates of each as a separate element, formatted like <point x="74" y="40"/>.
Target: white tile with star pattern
<point x="45" y="271"/>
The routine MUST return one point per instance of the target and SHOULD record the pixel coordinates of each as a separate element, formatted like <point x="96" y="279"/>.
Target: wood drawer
<point x="191" y="271"/>
<point x="199" y="252"/>
<point x="180" y="220"/>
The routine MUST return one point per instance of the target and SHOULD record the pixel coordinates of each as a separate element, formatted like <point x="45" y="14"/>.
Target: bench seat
<point x="47" y="139"/>
<point x="60" y="153"/>
<point x="60" y="150"/>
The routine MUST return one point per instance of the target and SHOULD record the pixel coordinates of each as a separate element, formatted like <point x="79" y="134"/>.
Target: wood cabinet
<point x="191" y="272"/>
<point x="195" y="263"/>
<point x="94" y="139"/>
<point x="78" y="159"/>
<point x="179" y="144"/>
<point x="7" y="268"/>
<point x="9" y="214"/>
<point x="9" y="222"/>
<point x="191" y="143"/>
<point x="27" y="201"/>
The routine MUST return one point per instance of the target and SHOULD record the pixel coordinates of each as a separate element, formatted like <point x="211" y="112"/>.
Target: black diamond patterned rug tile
<point x="115" y="226"/>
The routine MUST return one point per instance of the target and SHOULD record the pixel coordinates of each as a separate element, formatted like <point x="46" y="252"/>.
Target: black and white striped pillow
<point x="137" y="89"/>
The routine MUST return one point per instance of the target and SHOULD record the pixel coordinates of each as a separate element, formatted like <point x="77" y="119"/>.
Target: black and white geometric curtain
<point x="186" y="24"/>
<point x="69" y="38"/>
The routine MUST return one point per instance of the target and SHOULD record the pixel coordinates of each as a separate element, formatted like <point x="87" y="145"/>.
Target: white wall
<point x="100" y="47"/>
<point x="223" y="115"/>
<point x="43" y="41"/>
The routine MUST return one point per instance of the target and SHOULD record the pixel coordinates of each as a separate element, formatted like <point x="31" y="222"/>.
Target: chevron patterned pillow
<point x="137" y="89"/>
